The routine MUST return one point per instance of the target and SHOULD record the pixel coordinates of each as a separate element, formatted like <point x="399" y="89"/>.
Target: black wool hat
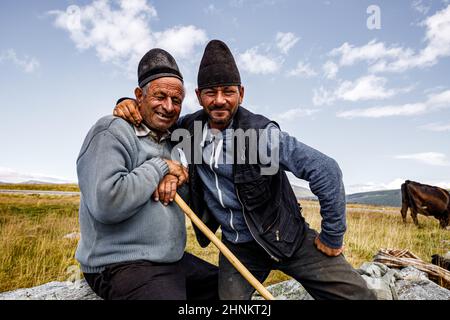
<point x="217" y="67"/>
<point x="157" y="63"/>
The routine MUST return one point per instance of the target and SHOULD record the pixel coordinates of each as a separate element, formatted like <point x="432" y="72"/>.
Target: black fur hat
<point x="217" y="67"/>
<point x="157" y="63"/>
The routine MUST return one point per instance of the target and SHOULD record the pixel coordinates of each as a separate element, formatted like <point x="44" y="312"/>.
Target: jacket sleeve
<point x="325" y="181"/>
<point x="111" y="192"/>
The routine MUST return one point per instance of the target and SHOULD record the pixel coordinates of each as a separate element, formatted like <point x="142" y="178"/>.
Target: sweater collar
<point x="144" y="131"/>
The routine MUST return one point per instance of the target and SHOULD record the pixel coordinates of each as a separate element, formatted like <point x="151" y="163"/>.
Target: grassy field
<point x="46" y="187"/>
<point x="34" y="250"/>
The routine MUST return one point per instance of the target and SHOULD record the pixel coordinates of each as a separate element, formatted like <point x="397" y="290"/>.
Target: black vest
<point x="271" y="210"/>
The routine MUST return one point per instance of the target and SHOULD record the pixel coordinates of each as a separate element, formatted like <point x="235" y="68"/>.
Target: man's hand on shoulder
<point x="327" y="250"/>
<point x="128" y="110"/>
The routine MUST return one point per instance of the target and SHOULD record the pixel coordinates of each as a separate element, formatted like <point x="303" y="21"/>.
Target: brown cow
<point x="426" y="200"/>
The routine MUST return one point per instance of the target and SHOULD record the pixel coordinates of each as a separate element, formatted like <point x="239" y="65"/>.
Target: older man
<point x="258" y="212"/>
<point x="132" y="247"/>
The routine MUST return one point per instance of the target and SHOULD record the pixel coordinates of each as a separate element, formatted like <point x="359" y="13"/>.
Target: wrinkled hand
<point x="327" y="250"/>
<point x="178" y="170"/>
<point x="166" y="190"/>
<point x="128" y="110"/>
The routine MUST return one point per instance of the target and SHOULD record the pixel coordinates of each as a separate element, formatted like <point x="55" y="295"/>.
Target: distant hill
<point x="8" y="175"/>
<point x="392" y="198"/>
<point x="30" y="182"/>
<point x="38" y="182"/>
<point x="303" y="193"/>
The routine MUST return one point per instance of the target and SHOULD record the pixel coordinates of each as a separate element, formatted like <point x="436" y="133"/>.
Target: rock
<point x="415" y="285"/>
<point x="380" y="287"/>
<point x="388" y="284"/>
<point x="421" y="290"/>
<point x="79" y="290"/>
<point x="373" y="269"/>
<point x="412" y="274"/>
<point x="286" y="290"/>
<point x="380" y="279"/>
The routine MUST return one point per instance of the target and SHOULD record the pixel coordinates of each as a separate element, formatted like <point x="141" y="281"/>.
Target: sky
<point x="365" y="82"/>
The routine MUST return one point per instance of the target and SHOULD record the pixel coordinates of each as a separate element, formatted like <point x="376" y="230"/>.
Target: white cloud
<point x="285" y="41"/>
<point x="439" y="100"/>
<point x="421" y="6"/>
<point x="430" y="158"/>
<point x="322" y="96"/>
<point x="438" y="45"/>
<point x="385" y="111"/>
<point x="26" y="63"/>
<point x="382" y="58"/>
<point x="392" y="185"/>
<point x="434" y="102"/>
<point x="436" y="127"/>
<point x="190" y="102"/>
<point x="369" y="87"/>
<point x="303" y="70"/>
<point x="371" y="52"/>
<point x="294" y="114"/>
<point x="120" y="33"/>
<point x="264" y="61"/>
<point x="181" y="41"/>
<point x="365" y="88"/>
<point x="374" y="186"/>
<point x="254" y="62"/>
<point x="330" y="69"/>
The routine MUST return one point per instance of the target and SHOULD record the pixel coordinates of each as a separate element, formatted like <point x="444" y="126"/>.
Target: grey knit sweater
<point x="119" y="221"/>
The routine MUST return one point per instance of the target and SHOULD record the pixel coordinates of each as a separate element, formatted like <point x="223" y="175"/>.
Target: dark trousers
<point x="190" y="278"/>
<point x="322" y="276"/>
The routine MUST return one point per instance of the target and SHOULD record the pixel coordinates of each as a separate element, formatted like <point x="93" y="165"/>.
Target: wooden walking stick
<point x="226" y="252"/>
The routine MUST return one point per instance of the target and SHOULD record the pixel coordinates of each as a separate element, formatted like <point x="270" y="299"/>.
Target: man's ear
<point x="197" y="92"/>
<point x="139" y="94"/>
<point x="241" y="94"/>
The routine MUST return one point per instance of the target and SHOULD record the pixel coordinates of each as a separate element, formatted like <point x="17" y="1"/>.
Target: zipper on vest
<point x="219" y="191"/>
<point x="243" y="213"/>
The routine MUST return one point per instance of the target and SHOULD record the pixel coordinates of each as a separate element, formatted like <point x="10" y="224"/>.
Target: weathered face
<point x="220" y="103"/>
<point x="160" y="107"/>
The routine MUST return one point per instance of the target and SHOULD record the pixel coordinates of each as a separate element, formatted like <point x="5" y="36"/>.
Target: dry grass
<point x="46" y="187"/>
<point x="33" y="250"/>
<point x="369" y="230"/>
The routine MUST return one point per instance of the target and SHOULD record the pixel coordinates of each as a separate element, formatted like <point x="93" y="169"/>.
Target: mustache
<point x="214" y="108"/>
